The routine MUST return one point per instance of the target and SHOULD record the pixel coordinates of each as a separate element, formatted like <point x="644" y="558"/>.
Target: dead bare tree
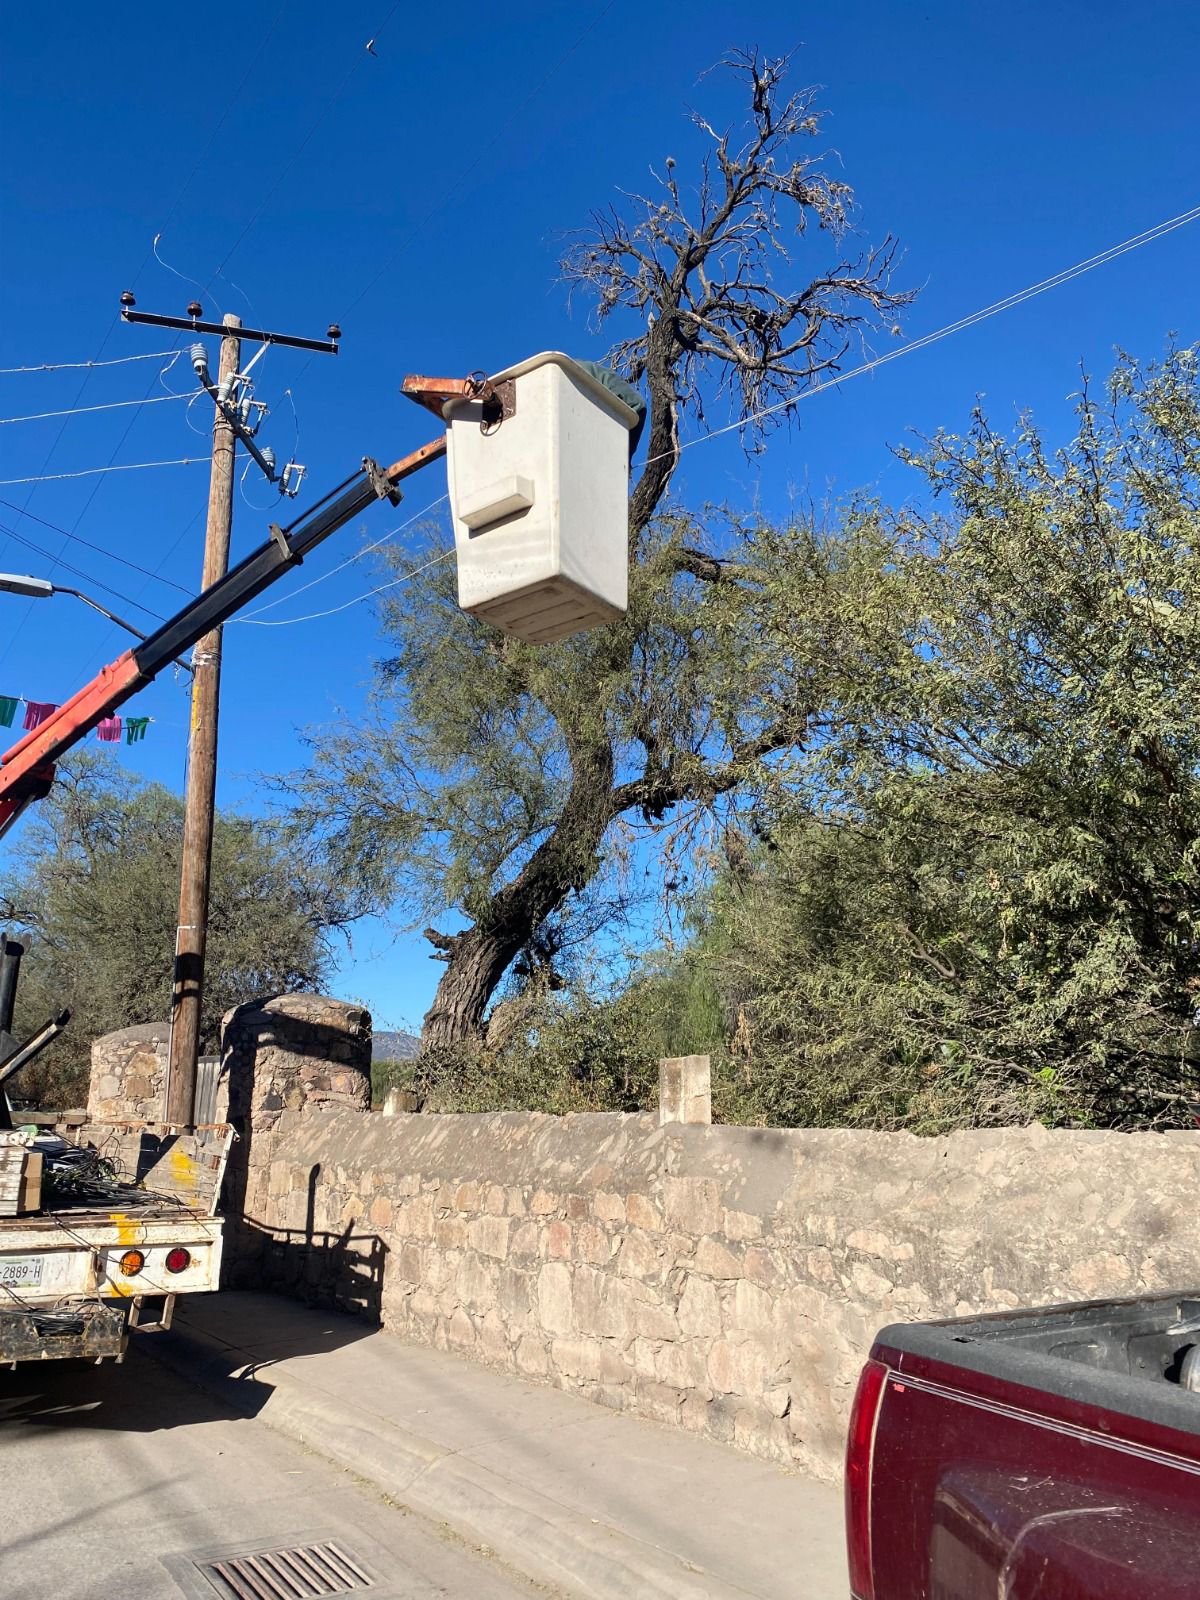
<point x="709" y="274"/>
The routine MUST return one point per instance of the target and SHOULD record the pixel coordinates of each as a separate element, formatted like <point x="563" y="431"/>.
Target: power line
<point x="74" y="366"/>
<point x="1148" y="236"/>
<point x="89" y="472"/>
<point x="88" y="661"/>
<point x="1101" y="258"/>
<point x="349" y="561"/>
<point x="43" y="476"/>
<point x="78" y="572"/>
<point x="99" y="548"/>
<point x="79" y="411"/>
<point x="98" y="482"/>
<point x="286" y="622"/>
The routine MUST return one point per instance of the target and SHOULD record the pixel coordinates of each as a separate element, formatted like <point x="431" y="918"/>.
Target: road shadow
<point x="138" y="1396"/>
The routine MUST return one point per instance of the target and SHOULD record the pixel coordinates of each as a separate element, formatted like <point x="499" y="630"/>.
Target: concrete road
<point x="116" y="1482"/>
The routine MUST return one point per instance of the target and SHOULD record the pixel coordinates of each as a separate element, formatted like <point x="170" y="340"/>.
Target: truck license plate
<point x="21" y="1272"/>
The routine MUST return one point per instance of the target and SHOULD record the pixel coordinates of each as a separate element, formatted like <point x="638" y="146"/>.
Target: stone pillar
<point x="128" y="1076"/>
<point x="289" y="1053"/>
<point x="684" y="1089"/>
<point x="293" y="1051"/>
<point x="397" y="1102"/>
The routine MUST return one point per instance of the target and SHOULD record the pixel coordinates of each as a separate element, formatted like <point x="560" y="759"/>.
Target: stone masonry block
<point x="642" y="1213"/>
<point x="737" y="1368"/>
<point x="489" y="1234"/>
<point x="592" y="1244"/>
<point x="460" y="1331"/>
<point x="450" y="1233"/>
<point x="652" y="1320"/>
<point x="699" y="1309"/>
<point x="477" y="1282"/>
<point x="525" y="1240"/>
<point x="693" y="1205"/>
<point x="741" y="1225"/>
<point x="554" y="1298"/>
<point x="713" y="1260"/>
<point x="532" y="1359"/>
<point x="638" y="1258"/>
<point x="493" y="1340"/>
<point x="557" y="1238"/>
<point x="751" y="1309"/>
<point x="685" y="1090"/>
<point x="608" y="1207"/>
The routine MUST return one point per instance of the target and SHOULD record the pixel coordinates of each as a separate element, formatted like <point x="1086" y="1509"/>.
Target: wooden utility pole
<point x="200" y="800"/>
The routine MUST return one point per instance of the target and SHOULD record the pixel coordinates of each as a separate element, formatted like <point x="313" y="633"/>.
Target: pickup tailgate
<point x="1081" y="1486"/>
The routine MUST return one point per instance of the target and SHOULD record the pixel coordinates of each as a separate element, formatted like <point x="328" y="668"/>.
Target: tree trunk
<point x="566" y="860"/>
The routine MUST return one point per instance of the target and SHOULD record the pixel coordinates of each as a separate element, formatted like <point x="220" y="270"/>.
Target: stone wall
<point x="727" y="1280"/>
<point x="128" y="1074"/>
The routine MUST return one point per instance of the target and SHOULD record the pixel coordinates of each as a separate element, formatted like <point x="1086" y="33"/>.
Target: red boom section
<point x="27" y="770"/>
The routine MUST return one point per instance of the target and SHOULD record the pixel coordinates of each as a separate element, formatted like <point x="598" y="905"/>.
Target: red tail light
<point x="860" y="1447"/>
<point x="178" y="1259"/>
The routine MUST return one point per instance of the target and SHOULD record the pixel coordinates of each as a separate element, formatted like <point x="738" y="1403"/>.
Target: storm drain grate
<point x="301" y="1572"/>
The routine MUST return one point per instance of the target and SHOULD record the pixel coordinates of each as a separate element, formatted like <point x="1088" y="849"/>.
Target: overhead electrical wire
<point x="89" y="472"/>
<point x="99" y="476"/>
<point x="1147" y="236"/>
<point x="349" y="561"/>
<point x="1135" y="242"/>
<point x="87" y="662"/>
<point x="79" y="411"/>
<point x="78" y="572"/>
<point x="313" y="616"/>
<point x="74" y="366"/>
<point x="42" y="476"/>
<point x="99" y="548"/>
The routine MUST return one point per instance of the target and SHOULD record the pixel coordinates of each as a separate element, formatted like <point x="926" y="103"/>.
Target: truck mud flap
<point x="89" y="1334"/>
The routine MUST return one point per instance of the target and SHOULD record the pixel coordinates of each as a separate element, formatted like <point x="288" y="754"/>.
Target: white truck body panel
<point x="77" y="1254"/>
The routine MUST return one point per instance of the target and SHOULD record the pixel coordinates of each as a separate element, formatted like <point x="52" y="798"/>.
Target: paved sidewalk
<point x="589" y="1501"/>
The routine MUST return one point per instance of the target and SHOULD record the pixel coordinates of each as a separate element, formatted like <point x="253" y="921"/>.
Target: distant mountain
<point x="394" y="1047"/>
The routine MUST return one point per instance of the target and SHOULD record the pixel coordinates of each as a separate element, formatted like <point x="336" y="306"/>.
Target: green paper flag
<point x="8" y="710"/>
<point x="135" y="729"/>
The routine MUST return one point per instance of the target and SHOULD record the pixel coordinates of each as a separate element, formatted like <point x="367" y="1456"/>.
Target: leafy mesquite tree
<point x="994" y="912"/>
<point x="489" y="776"/>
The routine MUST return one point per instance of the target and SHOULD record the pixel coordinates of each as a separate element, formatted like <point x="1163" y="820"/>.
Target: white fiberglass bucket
<point x="540" y="503"/>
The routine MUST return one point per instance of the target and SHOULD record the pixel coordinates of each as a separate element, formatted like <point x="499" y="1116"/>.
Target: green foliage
<point x="95" y="876"/>
<point x="567" y="1052"/>
<point x="994" y="912"/>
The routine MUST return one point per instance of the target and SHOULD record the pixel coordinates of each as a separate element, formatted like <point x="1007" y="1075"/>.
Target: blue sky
<point x="419" y="196"/>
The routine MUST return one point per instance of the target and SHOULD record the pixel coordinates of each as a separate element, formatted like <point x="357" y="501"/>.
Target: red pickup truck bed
<point x="1051" y="1454"/>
